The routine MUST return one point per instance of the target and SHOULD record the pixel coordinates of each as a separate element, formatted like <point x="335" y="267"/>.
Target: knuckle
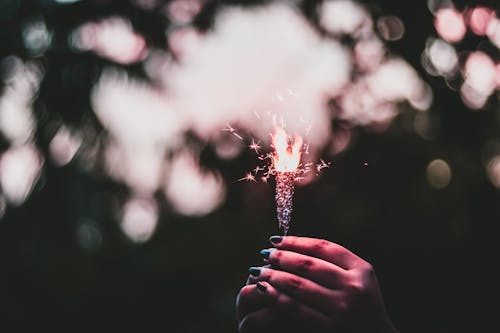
<point x="304" y="266"/>
<point x="355" y="290"/>
<point x="294" y="283"/>
<point x="367" y="273"/>
<point x="321" y="245"/>
<point x="355" y="287"/>
<point x="366" y="267"/>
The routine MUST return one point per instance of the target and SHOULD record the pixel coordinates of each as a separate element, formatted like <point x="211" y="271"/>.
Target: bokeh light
<point x="190" y="190"/>
<point x="19" y="170"/>
<point x="480" y="79"/>
<point x="438" y="174"/>
<point x="16" y="116"/>
<point x="36" y="36"/>
<point x="64" y="146"/>
<point x="140" y="217"/>
<point x="493" y="170"/>
<point x="391" y="28"/>
<point x="450" y="25"/>
<point x="442" y="56"/>
<point x="111" y="38"/>
<point x="183" y="11"/>
<point x="493" y="31"/>
<point x="435" y="5"/>
<point x="478" y="19"/>
<point x="89" y="235"/>
<point x="344" y="17"/>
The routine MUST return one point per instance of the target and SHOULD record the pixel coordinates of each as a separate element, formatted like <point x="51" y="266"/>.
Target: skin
<point x="312" y="285"/>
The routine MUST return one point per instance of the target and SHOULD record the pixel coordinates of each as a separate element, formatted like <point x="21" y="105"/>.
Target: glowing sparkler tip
<point x="287" y="168"/>
<point x="287" y="151"/>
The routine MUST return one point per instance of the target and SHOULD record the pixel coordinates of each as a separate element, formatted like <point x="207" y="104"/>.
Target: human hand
<point x="312" y="285"/>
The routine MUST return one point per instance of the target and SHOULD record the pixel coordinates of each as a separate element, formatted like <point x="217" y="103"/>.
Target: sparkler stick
<point x="286" y="161"/>
<point x="284" y="199"/>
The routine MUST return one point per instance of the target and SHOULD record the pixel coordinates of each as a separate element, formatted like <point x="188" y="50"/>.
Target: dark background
<point x="435" y="251"/>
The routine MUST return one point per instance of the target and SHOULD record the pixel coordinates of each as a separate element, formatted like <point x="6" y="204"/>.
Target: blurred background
<point x="133" y="133"/>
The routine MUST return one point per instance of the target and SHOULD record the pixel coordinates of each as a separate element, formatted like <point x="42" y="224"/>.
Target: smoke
<point x="256" y="67"/>
<point x="267" y="59"/>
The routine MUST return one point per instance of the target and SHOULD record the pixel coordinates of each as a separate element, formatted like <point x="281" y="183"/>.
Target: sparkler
<point x="285" y="166"/>
<point x="286" y="160"/>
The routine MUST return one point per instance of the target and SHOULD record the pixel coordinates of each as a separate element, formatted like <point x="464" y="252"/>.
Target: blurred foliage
<point x="434" y="250"/>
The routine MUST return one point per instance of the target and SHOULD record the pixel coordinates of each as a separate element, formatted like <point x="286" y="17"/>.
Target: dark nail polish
<point x="261" y="287"/>
<point x="265" y="253"/>
<point x="276" y="239"/>
<point x="254" y="271"/>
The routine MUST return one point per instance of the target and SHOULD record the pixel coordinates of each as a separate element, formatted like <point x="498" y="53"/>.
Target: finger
<point x="252" y="298"/>
<point x="303" y="290"/>
<point x="251" y="278"/>
<point x="318" y="248"/>
<point x="285" y="314"/>
<point x="318" y="270"/>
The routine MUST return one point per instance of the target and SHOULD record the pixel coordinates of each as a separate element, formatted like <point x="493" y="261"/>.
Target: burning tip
<point x="287" y="151"/>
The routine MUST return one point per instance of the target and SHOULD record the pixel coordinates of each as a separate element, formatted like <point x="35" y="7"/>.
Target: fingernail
<point x="261" y="287"/>
<point x="265" y="253"/>
<point x="276" y="239"/>
<point x="254" y="271"/>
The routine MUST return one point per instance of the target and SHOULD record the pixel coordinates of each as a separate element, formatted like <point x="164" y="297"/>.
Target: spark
<point x="255" y="146"/>
<point x="306" y="150"/>
<point x="282" y="122"/>
<point x="248" y="177"/>
<point x="257" y="169"/>
<point x="231" y="130"/>
<point x="265" y="157"/>
<point x="322" y="165"/>
<point x="228" y="128"/>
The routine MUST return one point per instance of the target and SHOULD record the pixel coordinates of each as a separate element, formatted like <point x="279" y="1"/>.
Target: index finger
<point x="319" y="248"/>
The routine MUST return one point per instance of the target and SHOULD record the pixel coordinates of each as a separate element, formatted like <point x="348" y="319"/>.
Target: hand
<point x="312" y="285"/>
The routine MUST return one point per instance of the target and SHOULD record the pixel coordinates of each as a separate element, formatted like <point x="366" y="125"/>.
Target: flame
<point x="286" y="153"/>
